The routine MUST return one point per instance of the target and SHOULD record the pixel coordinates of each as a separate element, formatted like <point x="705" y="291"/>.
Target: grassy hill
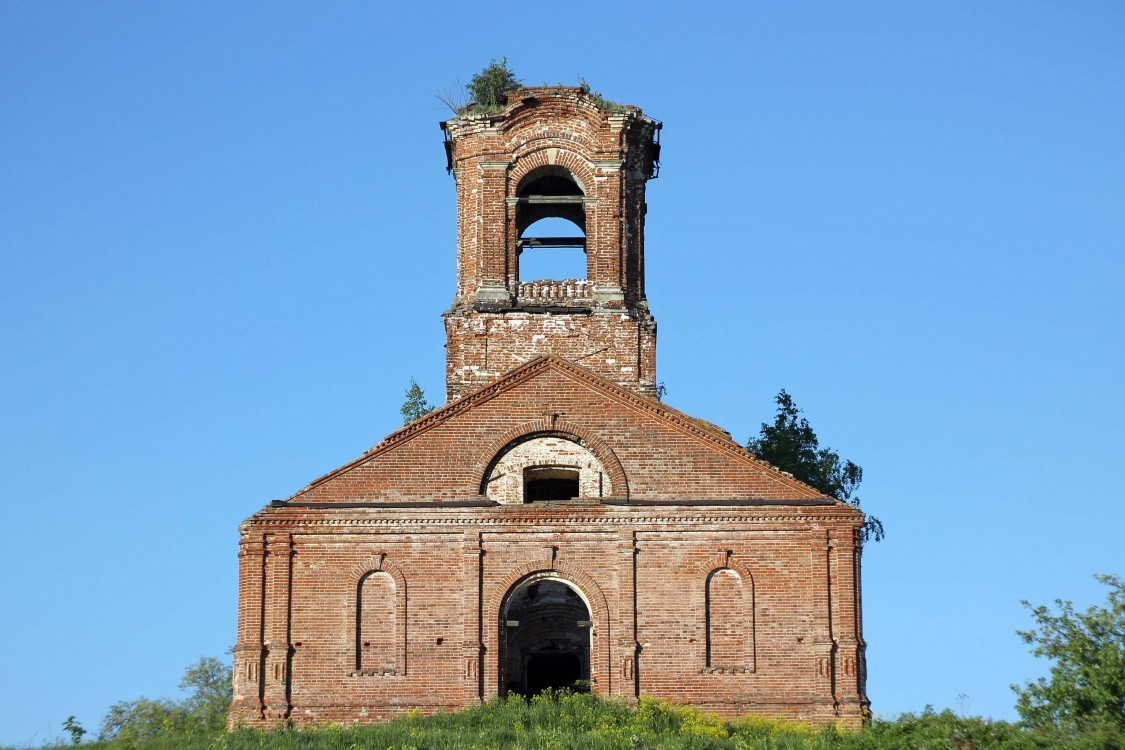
<point x="558" y="722"/>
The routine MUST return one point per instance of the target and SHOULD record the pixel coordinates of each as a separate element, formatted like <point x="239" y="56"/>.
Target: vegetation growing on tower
<point x="487" y="91"/>
<point x="489" y="88"/>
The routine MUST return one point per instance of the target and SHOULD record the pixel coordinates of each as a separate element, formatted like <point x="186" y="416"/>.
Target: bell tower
<point x="552" y="153"/>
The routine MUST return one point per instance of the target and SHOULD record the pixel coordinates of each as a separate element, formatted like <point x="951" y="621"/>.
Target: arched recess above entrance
<point x="577" y="579"/>
<point x="550" y="427"/>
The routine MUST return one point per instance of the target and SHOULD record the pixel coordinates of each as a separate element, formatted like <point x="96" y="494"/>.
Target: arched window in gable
<point x="538" y="468"/>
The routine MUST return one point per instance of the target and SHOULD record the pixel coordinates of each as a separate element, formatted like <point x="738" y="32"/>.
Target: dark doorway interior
<point x="552" y="672"/>
<point x="546" y="639"/>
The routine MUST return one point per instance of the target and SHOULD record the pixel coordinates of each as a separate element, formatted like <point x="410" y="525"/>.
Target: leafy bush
<point x="1086" y="688"/>
<point x="487" y="91"/>
<point x="138" y="719"/>
<point x="938" y="730"/>
<point x="208" y="683"/>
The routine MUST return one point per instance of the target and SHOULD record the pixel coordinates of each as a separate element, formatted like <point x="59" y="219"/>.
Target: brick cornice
<point x="774" y="522"/>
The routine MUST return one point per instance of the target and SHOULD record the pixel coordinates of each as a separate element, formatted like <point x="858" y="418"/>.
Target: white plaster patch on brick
<point x="506" y="481"/>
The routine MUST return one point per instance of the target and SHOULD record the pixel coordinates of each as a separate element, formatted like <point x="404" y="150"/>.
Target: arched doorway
<point x="545" y="630"/>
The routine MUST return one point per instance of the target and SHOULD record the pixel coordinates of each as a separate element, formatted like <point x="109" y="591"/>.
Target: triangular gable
<point x="666" y="454"/>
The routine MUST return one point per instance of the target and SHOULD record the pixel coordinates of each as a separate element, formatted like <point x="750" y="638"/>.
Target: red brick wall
<point x="644" y="571"/>
<point x="620" y="346"/>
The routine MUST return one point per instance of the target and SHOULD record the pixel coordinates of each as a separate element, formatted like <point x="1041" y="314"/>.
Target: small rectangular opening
<point x="545" y="483"/>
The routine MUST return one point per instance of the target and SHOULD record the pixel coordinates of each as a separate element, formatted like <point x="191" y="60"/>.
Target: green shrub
<point x="489" y="88"/>
<point x="1085" y="691"/>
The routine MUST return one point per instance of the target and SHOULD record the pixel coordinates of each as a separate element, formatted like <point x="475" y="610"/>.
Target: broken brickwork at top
<point x="552" y="153"/>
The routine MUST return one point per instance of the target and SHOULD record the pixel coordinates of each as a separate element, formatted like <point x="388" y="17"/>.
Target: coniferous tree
<point x="791" y="445"/>
<point x="415" y="406"/>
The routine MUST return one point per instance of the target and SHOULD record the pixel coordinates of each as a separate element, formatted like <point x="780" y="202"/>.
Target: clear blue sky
<point x="228" y="235"/>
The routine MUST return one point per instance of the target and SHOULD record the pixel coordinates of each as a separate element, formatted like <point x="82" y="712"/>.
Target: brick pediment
<point x="656" y="452"/>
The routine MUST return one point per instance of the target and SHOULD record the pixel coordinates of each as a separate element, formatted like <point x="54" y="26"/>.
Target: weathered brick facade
<point x="554" y="522"/>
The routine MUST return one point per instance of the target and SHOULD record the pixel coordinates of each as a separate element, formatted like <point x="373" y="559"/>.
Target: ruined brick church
<point x="555" y="523"/>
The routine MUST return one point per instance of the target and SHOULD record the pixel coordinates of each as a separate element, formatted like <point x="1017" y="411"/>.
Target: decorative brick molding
<point x="744" y="616"/>
<point x="547" y="153"/>
<point x="359" y="573"/>
<point x="562" y="571"/>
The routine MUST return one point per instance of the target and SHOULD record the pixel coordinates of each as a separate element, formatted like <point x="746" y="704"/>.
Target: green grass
<point x="576" y="720"/>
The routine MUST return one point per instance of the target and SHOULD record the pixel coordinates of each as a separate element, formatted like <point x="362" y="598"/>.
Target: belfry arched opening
<point x="551" y="199"/>
<point x="545" y="625"/>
